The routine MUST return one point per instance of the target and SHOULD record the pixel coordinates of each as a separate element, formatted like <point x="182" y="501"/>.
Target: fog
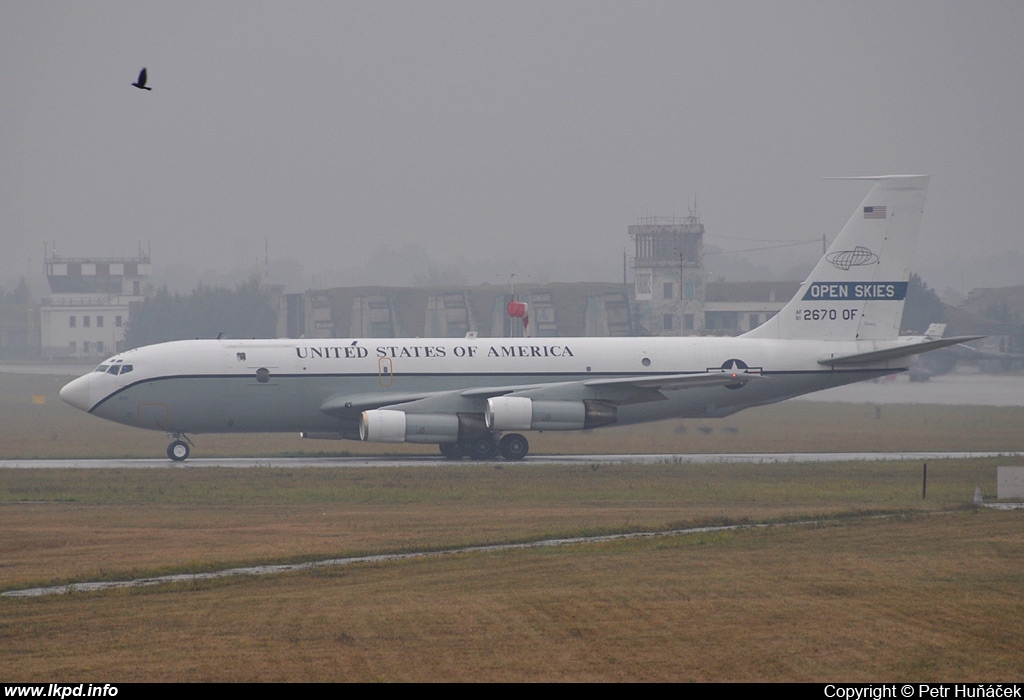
<point x="336" y="143"/>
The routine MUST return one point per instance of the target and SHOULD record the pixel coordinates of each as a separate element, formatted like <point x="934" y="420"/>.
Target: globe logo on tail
<point x="845" y="259"/>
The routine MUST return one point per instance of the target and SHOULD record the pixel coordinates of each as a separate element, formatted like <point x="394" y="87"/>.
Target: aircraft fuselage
<point x="214" y="386"/>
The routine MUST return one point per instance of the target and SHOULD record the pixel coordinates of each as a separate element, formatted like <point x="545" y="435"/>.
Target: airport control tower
<point x="87" y="311"/>
<point x="668" y="274"/>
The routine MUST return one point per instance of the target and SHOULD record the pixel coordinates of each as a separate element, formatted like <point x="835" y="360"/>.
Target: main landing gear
<point x="180" y="447"/>
<point x="512" y="447"/>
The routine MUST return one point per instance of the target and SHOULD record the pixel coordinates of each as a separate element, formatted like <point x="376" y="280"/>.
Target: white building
<point x="87" y="312"/>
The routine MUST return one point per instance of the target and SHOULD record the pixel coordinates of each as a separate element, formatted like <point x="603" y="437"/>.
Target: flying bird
<point x="141" y="84"/>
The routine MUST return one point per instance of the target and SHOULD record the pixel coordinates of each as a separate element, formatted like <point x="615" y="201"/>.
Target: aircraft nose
<point x="76" y="393"/>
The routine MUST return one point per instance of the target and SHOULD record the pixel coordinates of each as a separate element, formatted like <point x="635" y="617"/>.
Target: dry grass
<point x="65" y="525"/>
<point x="935" y="592"/>
<point x="924" y="598"/>
<point x="932" y="593"/>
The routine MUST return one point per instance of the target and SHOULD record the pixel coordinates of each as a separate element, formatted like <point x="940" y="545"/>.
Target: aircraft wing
<point x="351" y="405"/>
<point x="614" y="390"/>
<point x="622" y="390"/>
<point x="678" y="381"/>
<point x="905" y="350"/>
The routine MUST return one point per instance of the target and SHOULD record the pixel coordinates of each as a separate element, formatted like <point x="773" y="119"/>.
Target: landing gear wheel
<point x="452" y="450"/>
<point x="178" y="450"/>
<point x="513" y="446"/>
<point x="481" y="448"/>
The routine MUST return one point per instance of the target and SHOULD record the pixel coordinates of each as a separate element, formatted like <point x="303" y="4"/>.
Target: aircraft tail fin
<point x="857" y="289"/>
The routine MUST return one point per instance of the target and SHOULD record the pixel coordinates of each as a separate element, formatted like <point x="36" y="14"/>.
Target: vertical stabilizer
<point x="857" y="290"/>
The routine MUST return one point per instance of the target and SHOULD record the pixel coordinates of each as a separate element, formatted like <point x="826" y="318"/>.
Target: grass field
<point x="884" y="586"/>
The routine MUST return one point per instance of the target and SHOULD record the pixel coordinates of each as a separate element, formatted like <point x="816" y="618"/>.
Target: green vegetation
<point x="923" y="307"/>
<point x="207" y="312"/>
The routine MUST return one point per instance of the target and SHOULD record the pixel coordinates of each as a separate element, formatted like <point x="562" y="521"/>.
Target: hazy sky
<point x="366" y="141"/>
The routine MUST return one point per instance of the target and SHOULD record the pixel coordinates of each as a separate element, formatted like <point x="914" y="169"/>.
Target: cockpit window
<point x="114" y="369"/>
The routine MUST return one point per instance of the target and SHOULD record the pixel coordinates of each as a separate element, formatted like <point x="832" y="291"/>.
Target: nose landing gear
<point x="180" y="447"/>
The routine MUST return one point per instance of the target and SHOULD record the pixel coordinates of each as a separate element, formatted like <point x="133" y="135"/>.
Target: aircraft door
<point x="385" y="371"/>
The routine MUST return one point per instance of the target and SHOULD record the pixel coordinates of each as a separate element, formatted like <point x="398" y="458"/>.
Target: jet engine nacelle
<point x="384" y="425"/>
<point x="521" y="413"/>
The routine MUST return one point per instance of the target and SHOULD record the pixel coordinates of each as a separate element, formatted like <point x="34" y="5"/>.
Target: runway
<point x="766" y="458"/>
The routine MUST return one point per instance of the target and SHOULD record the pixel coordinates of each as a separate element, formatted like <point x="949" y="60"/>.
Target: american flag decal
<point x="874" y="212"/>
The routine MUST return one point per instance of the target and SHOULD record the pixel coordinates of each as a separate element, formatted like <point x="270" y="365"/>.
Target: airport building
<point x="553" y="310"/>
<point x="671" y="293"/>
<point x="89" y="305"/>
<point x="668" y="274"/>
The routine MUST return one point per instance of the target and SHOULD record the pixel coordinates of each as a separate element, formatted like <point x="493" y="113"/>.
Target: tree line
<point x="208" y="312"/>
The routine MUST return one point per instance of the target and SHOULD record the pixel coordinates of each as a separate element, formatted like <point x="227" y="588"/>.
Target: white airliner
<point x="473" y="396"/>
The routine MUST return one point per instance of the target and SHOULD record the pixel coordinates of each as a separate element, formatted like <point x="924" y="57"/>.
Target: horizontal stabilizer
<point x="867" y="358"/>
